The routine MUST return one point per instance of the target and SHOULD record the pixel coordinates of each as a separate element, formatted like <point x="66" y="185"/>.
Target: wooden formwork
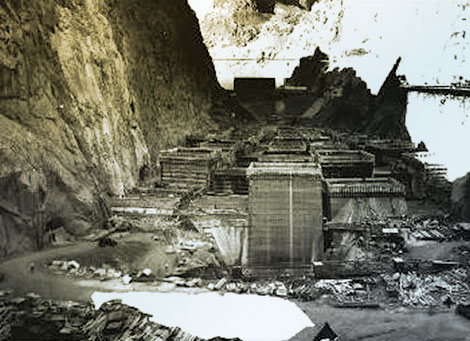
<point x="229" y="181"/>
<point x="369" y="187"/>
<point x="189" y="167"/>
<point x="283" y="158"/>
<point x="285" y="146"/>
<point x="352" y="200"/>
<point x="345" y="163"/>
<point x="285" y="216"/>
<point x="386" y="150"/>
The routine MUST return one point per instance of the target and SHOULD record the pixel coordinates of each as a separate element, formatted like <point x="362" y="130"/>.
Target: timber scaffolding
<point x="227" y="181"/>
<point x="189" y="167"/>
<point x="230" y="178"/>
<point x="228" y="148"/>
<point x="436" y="179"/>
<point x="370" y="187"/>
<point x="349" y="201"/>
<point x="343" y="163"/>
<point x="290" y="157"/>
<point x="287" y="146"/>
<point x="225" y="145"/>
<point x="386" y="150"/>
<point x="303" y="133"/>
<point x="285" y="230"/>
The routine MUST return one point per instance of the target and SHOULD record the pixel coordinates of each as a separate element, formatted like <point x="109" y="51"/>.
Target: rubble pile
<point x="303" y="289"/>
<point x="72" y="268"/>
<point x="196" y="258"/>
<point x="425" y="290"/>
<point x="34" y="318"/>
<point x="361" y="291"/>
<point x="428" y="229"/>
<point x="350" y="293"/>
<point x="392" y="235"/>
<point x="409" y="289"/>
<point x="438" y="228"/>
<point x="271" y="288"/>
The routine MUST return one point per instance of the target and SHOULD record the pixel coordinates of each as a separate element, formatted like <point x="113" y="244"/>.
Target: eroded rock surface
<point x="89" y="93"/>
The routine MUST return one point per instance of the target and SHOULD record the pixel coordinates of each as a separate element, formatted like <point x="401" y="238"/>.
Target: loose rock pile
<point x="72" y="268"/>
<point x="415" y="289"/>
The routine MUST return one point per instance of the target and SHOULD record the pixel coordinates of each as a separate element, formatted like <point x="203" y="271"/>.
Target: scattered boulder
<point x="118" y="224"/>
<point x="176" y="280"/>
<point x="147" y="272"/>
<point x="220" y="284"/>
<point x="73" y="265"/>
<point x="145" y="275"/>
<point x="100" y="272"/>
<point x="281" y="290"/>
<point x="195" y="282"/>
<point x="126" y="279"/>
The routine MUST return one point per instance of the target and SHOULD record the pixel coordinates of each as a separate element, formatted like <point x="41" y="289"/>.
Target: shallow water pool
<point x="207" y="315"/>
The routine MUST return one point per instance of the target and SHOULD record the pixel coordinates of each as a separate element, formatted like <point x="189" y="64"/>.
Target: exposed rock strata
<point x="90" y="91"/>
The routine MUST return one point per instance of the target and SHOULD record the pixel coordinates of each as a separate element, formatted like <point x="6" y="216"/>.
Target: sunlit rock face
<point x="89" y="92"/>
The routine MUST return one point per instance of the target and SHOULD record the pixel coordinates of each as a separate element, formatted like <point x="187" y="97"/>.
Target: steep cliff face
<point x="388" y="116"/>
<point x="89" y="92"/>
<point x="342" y="100"/>
<point x="461" y="198"/>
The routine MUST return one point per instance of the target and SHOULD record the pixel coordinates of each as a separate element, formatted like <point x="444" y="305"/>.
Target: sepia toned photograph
<point x="234" y="170"/>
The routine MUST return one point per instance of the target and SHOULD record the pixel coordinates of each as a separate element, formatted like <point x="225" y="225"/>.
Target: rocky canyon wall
<point x="90" y="91"/>
<point x="342" y="100"/>
<point x="461" y="198"/>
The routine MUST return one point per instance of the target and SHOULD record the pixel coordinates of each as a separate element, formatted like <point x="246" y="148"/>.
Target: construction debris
<point x="220" y="284"/>
<point x="429" y="290"/>
<point x="189" y="167"/>
<point x="34" y="318"/>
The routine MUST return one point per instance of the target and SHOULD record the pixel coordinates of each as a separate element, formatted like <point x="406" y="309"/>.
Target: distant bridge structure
<point x="260" y="59"/>
<point x="461" y="91"/>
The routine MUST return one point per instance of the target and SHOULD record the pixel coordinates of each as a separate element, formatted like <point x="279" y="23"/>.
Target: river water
<point x="207" y="315"/>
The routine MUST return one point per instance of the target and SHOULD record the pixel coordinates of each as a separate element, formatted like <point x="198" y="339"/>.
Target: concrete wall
<point x="285" y="221"/>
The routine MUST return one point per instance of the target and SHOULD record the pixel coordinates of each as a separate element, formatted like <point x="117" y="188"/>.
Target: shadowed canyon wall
<point x="342" y="100"/>
<point x="90" y="91"/>
<point x="461" y="198"/>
